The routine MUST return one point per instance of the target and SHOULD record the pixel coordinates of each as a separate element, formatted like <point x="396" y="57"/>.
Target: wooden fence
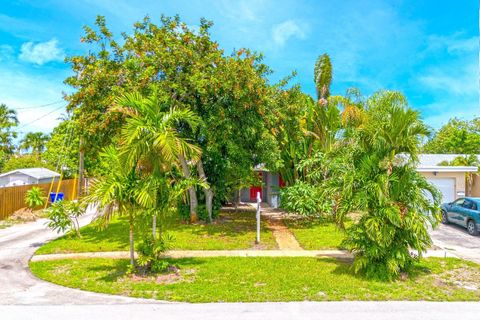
<point x="13" y="198"/>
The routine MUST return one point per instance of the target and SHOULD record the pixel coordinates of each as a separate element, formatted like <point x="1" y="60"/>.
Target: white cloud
<point x="457" y="79"/>
<point x="452" y="44"/>
<point x="42" y="52"/>
<point x="282" y="32"/>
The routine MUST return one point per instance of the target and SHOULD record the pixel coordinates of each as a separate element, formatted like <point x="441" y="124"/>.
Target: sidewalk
<point x="338" y="254"/>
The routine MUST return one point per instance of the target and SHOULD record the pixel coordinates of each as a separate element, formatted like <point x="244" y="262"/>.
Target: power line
<point x="40" y="106"/>
<point x="41" y="117"/>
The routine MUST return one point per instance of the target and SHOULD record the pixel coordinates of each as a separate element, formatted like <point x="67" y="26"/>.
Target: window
<point x="458" y="202"/>
<point x="469" y="205"/>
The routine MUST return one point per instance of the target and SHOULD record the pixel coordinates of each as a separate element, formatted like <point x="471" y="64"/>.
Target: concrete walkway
<point x="283" y="236"/>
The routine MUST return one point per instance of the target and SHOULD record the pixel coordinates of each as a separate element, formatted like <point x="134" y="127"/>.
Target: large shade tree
<point x="228" y="92"/>
<point x="457" y="136"/>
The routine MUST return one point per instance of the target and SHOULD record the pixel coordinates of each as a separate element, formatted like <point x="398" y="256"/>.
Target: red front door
<point x="253" y="193"/>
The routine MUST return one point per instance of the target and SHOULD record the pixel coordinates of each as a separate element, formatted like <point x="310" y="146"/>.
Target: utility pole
<point x="80" y="167"/>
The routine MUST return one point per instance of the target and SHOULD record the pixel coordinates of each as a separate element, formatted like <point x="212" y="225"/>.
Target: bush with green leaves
<point x="150" y="252"/>
<point x="375" y="178"/>
<point x="63" y="216"/>
<point x="35" y="198"/>
<point x="301" y="198"/>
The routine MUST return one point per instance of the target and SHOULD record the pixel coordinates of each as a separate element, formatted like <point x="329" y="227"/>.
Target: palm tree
<point x="8" y="120"/>
<point x="323" y="118"/>
<point x="152" y="133"/>
<point x="323" y="76"/>
<point x="115" y="191"/>
<point x="372" y="173"/>
<point x="34" y="141"/>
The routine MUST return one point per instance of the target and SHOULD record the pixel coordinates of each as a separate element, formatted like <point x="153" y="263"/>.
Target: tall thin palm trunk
<point x="132" y="244"/>
<point x="191" y="191"/>
<point x="207" y="191"/>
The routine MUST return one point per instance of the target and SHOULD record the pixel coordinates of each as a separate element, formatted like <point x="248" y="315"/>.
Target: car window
<point x="459" y="202"/>
<point x="467" y="204"/>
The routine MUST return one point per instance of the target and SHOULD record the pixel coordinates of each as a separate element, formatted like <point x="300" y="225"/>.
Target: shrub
<point x="64" y="216"/>
<point x="35" y="198"/>
<point x="150" y="253"/>
<point x="301" y="198"/>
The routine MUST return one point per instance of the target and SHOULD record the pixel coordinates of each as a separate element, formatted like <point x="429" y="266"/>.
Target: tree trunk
<point x="154" y="227"/>
<point x="207" y="191"/>
<point x="132" y="247"/>
<point x="80" y="168"/>
<point x="191" y="191"/>
<point x="237" y="198"/>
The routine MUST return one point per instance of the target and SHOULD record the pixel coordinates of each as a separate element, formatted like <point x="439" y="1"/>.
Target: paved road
<point x="243" y="311"/>
<point x="456" y="240"/>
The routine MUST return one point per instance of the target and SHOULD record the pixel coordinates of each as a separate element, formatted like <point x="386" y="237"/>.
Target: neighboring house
<point x="450" y="180"/>
<point x="22" y="177"/>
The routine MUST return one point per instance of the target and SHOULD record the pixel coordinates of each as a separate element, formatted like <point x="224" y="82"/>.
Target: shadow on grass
<point x="299" y="222"/>
<point x="228" y="224"/>
<point x="345" y="267"/>
<point x="120" y="268"/>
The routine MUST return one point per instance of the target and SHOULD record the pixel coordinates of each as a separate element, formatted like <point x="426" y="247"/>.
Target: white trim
<point x="447" y="169"/>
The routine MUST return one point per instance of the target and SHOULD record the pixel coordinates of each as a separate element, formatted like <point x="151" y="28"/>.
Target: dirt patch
<point x="26" y="215"/>
<point x="465" y="277"/>
<point x="170" y="276"/>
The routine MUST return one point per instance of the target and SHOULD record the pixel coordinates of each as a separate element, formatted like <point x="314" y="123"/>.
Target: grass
<point x="315" y="234"/>
<point x="230" y="231"/>
<point x="7" y="223"/>
<point x="234" y="279"/>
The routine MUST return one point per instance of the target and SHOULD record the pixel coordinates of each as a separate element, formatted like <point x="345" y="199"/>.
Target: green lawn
<point x="233" y="279"/>
<point x="315" y="234"/>
<point x="230" y="231"/>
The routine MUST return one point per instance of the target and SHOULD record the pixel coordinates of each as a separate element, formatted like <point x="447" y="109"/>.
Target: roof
<point x="430" y="159"/>
<point x="37" y="173"/>
<point x="428" y="162"/>
<point x="446" y="169"/>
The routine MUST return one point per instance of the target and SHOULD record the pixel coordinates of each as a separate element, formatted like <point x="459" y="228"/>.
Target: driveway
<point x="18" y="286"/>
<point x="455" y="239"/>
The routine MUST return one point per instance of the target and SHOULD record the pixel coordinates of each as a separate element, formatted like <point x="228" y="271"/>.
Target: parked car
<point x="464" y="212"/>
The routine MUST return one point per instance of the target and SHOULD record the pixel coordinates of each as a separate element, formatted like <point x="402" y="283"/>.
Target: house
<point x="449" y="180"/>
<point x="22" y="177"/>
<point x="269" y="189"/>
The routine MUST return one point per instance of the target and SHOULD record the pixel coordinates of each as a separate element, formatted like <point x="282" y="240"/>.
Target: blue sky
<point x="427" y="49"/>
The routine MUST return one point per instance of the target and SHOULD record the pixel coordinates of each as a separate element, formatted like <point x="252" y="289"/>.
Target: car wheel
<point x="472" y="228"/>
<point x="445" y="218"/>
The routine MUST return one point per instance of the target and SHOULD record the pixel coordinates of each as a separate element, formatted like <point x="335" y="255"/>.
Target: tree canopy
<point x="230" y="94"/>
<point x="457" y="136"/>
